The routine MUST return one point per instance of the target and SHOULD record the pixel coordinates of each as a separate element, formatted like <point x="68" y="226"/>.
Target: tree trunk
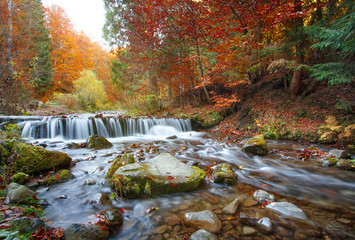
<point x="9" y="40"/>
<point x="201" y="70"/>
<point x="152" y="82"/>
<point x="296" y="81"/>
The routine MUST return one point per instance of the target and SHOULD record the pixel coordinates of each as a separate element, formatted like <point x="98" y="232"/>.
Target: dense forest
<point x="174" y="53"/>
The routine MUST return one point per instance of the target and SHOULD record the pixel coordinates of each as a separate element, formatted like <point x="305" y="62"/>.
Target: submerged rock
<point x="262" y="196"/>
<point x="232" y="207"/>
<point x="17" y="193"/>
<point x="98" y="142"/>
<point x="114" y="217"/>
<point x="287" y="209"/>
<point x="223" y="173"/>
<point x="36" y="159"/>
<point x="203" y="235"/>
<point x="160" y="175"/>
<point x="60" y="176"/>
<point x="206" y="220"/>
<point x="85" y="232"/>
<point x="337" y="153"/>
<point x="255" y="145"/>
<point x="264" y="225"/>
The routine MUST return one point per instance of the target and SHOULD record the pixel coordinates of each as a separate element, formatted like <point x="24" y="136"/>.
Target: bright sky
<point x="86" y="15"/>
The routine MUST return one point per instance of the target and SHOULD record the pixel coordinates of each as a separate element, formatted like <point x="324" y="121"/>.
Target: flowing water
<point x="75" y="201"/>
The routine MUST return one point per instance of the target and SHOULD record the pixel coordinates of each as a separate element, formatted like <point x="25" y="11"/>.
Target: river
<point x="75" y="201"/>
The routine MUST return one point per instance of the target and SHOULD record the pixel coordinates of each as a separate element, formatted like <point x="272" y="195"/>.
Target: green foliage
<point x="348" y="107"/>
<point x="336" y="40"/>
<point x="90" y="91"/>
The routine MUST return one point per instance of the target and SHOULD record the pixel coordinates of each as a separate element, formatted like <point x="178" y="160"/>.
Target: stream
<point x="325" y="194"/>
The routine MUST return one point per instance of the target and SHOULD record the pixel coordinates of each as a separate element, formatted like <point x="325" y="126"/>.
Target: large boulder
<point x="255" y="145"/>
<point x="98" y="142"/>
<point x="33" y="159"/>
<point x="163" y="174"/>
<point x="17" y="193"/>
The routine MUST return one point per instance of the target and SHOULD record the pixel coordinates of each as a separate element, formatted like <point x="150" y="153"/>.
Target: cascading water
<point x="81" y="127"/>
<point x="278" y="172"/>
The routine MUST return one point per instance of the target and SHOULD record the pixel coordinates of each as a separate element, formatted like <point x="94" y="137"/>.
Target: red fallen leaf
<point x="124" y="163"/>
<point x="104" y="228"/>
<point x="169" y="177"/>
<point x="154" y="177"/>
<point x="151" y="209"/>
<point x="58" y="233"/>
<point x="122" y="210"/>
<point x="174" y="185"/>
<point x="57" y="176"/>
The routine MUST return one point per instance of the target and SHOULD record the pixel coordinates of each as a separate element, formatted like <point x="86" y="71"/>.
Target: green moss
<point x="60" y="176"/>
<point x="224" y="174"/>
<point x="20" y="178"/>
<point x="119" y="162"/>
<point x="98" y="142"/>
<point x="147" y="185"/>
<point x="255" y="145"/>
<point x="33" y="159"/>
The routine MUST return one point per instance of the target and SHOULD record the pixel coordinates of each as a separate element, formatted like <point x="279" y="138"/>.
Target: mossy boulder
<point x="255" y="145"/>
<point x="20" y="178"/>
<point x="119" y="162"/>
<point x="32" y="159"/>
<point x="98" y="142"/>
<point x="58" y="177"/>
<point x="163" y="174"/>
<point x="223" y="173"/>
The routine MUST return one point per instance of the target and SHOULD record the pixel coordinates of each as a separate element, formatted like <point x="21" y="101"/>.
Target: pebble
<point x="261" y="196"/>
<point x="250" y="202"/>
<point x="343" y="220"/>
<point x="203" y="235"/>
<point x="264" y="225"/>
<point x="210" y="197"/>
<point x="248" y="231"/>
<point x="204" y="220"/>
<point x="287" y="209"/>
<point x="232" y="207"/>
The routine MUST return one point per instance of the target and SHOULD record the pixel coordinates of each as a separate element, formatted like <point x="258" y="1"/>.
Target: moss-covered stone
<point x="119" y="162"/>
<point x="98" y="142"/>
<point x="163" y="174"/>
<point x="223" y="173"/>
<point x="33" y="159"/>
<point x="58" y="177"/>
<point x="255" y="145"/>
<point x="20" y="178"/>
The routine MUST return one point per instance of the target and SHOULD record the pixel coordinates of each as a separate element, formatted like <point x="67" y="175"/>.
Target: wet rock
<point x="250" y="202"/>
<point x="63" y="197"/>
<point x="36" y="159"/>
<point x="114" y="217"/>
<point x="60" y="176"/>
<point x="90" y="182"/>
<point x="74" y="145"/>
<point x="262" y="196"/>
<point x="27" y="225"/>
<point x="247" y="231"/>
<point x="17" y="193"/>
<point x="160" y="230"/>
<point x="20" y="178"/>
<point x="287" y="209"/>
<point x="343" y="220"/>
<point x="232" y="207"/>
<point x="246" y="219"/>
<point x="32" y="185"/>
<point x="172" y="220"/>
<point x="98" y="142"/>
<point x="345" y="165"/>
<point x="43" y="203"/>
<point x="172" y="137"/>
<point x="203" y="235"/>
<point x="85" y="232"/>
<point x="337" y="233"/>
<point x="326" y="163"/>
<point x="209" y="197"/>
<point x="337" y="153"/>
<point x="161" y="175"/>
<point x="255" y="145"/>
<point x="264" y="225"/>
<point x="206" y="220"/>
<point x="223" y="173"/>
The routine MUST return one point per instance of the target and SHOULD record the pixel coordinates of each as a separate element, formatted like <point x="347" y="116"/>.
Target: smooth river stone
<point x="204" y="220"/>
<point x="261" y="196"/>
<point x="203" y="235"/>
<point x="287" y="209"/>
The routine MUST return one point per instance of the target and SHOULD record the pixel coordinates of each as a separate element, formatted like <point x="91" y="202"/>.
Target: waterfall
<point x="81" y="127"/>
